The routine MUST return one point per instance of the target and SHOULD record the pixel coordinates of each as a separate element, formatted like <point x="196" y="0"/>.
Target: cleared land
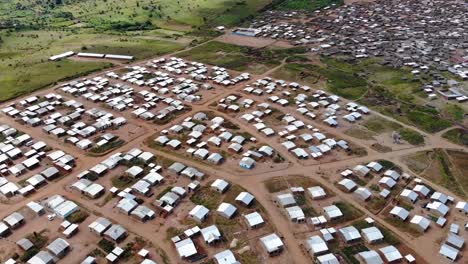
<point x="239" y="58"/>
<point x="446" y="168"/>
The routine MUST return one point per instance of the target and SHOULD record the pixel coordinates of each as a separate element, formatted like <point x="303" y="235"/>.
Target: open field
<point x="443" y="167"/>
<point x="128" y="14"/>
<point x="25" y="66"/>
<point x="239" y="58"/>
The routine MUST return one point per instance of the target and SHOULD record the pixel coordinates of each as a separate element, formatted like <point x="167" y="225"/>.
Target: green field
<point x="24" y="56"/>
<point x="125" y="15"/>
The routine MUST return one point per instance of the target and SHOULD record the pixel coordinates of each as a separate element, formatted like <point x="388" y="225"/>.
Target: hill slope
<point x="126" y="14"/>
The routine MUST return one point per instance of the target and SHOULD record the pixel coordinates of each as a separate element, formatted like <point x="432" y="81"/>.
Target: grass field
<point x="123" y="15"/>
<point x="446" y="168"/>
<point x="24" y="56"/>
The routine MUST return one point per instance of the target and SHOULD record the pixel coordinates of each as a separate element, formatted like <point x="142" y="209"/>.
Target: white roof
<point x="210" y="233"/>
<point x="317" y="192"/>
<point x="372" y="234"/>
<point x="317" y="245"/>
<point x="227" y="209"/>
<point x="186" y="248"/>
<point x="272" y="242"/>
<point x="254" y="219"/>
<point x="225" y="257"/>
<point x="371" y="257"/>
<point x="401" y="212"/>
<point x="245" y="198"/>
<point x="327" y="259"/>
<point x="350" y="233"/>
<point x="391" y="253"/>
<point x="332" y="211"/>
<point x="199" y="212"/>
<point x="421" y="221"/>
<point x="448" y="252"/>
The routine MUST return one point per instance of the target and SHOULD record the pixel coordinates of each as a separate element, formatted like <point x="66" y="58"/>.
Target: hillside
<point x="123" y="15"/>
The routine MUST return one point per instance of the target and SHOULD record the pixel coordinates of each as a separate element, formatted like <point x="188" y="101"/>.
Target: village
<point x="171" y="160"/>
<point x="429" y="42"/>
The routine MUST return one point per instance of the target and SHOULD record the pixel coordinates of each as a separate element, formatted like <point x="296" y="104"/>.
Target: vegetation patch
<point x="457" y="135"/>
<point x="207" y="197"/>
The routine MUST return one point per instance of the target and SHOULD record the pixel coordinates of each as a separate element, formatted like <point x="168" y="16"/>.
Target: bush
<point x="29" y="254"/>
<point x="106" y="245"/>
<point x="411" y="136"/>
<point x="78" y="217"/>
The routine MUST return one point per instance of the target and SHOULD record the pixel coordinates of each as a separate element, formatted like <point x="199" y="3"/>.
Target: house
<point x="387" y="182"/>
<point x="295" y="214"/>
<point x="4" y="230"/>
<point x="370" y="257"/>
<point x="126" y="206"/>
<point x="350" y="234"/>
<point x="254" y="220"/>
<point x="332" y="212"/>
<point x="363" y="193"/>
<point x="409" y="195"/>
<point x="438" y="196"/>
<point x="286" y="199"/>
<point x="50" y="173"/>
<point x="143" y="213"/>
<point x="327" y="259"/>
<point x="361" y="170"/>
<point x="186" y="248"/>
<point x="449" y="252"/>
<point x="247" y="163"/>
<point x="399" y="212"/>
<point x="438" y="208"/>
<point x="392" y="174"/>
<point x="225" y="257"/>
<point x="391" y="254"/>
<point x="421" y="190"/>
<point x="199" y="213"/>
<point x="245" y="198"/>
<point x="317" y="192"/>
<point x="215" y="158"/>
<point x="348" y="185"/>
<point x="220" y="185"/>
<point x="116" y="233"/>
<point x="455" y="241"/>
<point x="462" y="207"/>
<point x="375" y="166"/>
<point x="14" y="220"/>
<point x="211" y="234"/>
<point x="316" y="245"/>
<point x="372" y="234"/>
<point x="100" y="225"/>
<point x="25" y="244"/>
<point x="134" y="171"/>
<point x="227" y="210"/>
<point x="421" y="223"/>
<point x="59" y="247"/>
<point x="42" y="257"/>
<point x="272" y="244"/>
